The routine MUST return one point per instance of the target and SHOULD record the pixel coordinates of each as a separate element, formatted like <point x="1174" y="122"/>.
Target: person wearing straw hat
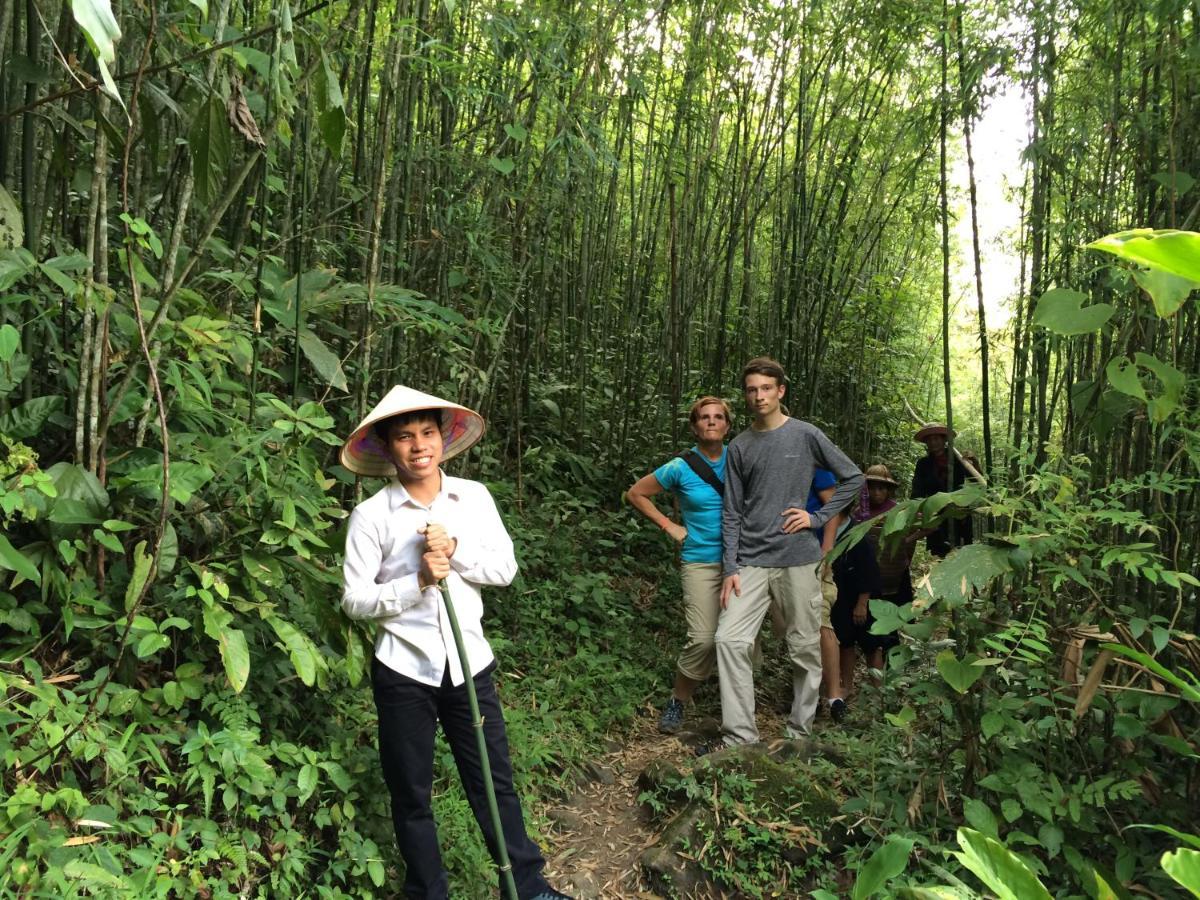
<point x="875" y="572"/>
<point x="931" y="477"/>
<point x="424" y="528"/>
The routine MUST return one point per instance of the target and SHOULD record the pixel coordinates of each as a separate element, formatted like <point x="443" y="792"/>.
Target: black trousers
<point x="408" y="715"/>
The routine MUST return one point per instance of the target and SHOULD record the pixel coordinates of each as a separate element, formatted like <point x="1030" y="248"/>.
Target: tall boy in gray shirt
<point x="770" y="549"/>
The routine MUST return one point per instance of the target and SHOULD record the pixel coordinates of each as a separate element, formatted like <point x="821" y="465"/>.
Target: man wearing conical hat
<point x="422" y="528"/>
<point x="931" y="476"/>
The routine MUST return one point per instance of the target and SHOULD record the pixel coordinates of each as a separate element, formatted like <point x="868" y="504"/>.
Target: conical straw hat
<point x="931" y="429"/>
<point x="879" y="472"/>
<point x="365" y="454"/>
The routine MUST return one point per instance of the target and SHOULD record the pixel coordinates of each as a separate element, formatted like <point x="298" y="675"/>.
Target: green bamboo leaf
<point x="324" y="360"/>
<point x="10" y="340"/>
<point x="959" y="674"/>
<point x="15" y="561"/>
<point x="15" y="263"/>
<point x="1061" y="311"/>
<point x="331" y="107"/>
<point x="301" y="651"/>
<point x="885" y="863"/>
<point x="210" y="143"/>
<point x="998" y="867"/>
<point x="1184" y="866"/>
<point x="12" y="225"/>
<point x="141" y="571"/>
<point x="96" y="19"/>
<point x="93" y="875"/>
<point x="306" y="782"/>
<point x="1192" y="840"/>
<point x="1189" y="690"/>
<point x="1171" y="251"/>
<point x="235" y="654"/>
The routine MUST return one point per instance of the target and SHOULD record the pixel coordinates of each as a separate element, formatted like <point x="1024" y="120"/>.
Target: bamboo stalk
<point x="489" y="788"/>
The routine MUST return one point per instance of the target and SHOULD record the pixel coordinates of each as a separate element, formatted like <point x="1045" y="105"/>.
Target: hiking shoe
<point x="671" y="719"/>
<point x="551" y="894"/>
<point x="837" y="709"/>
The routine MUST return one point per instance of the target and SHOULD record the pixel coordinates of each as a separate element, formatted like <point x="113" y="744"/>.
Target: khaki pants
<point x="701" y="606"/>
<point x="797" y="591"/>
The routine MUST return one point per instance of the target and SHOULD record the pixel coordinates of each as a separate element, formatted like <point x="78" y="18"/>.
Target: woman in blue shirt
<point x="696" y="477"/>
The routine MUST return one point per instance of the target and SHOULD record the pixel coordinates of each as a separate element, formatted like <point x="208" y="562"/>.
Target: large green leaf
<point x="10" y="341"/>
<point x="959" y="674"/>
<point x="885" y="863"/>
<point x="331" y="107"/>
<point x="1166" y="290"/>
<point x="77" y="484"/>
<point x="12" y="225"/>
<point x="96" y="19"/>
<point x="324" y="360"/>
<point x="211" y="146"/>
<point x="1061" y="311"/>
<point x="1171" y="251"/>
<point x="1168" y="263"/>
<point x="235" y="654"/>
<point x="27" y="420"/>
<point x="14" y="264"/>
<point x="1184" y="866"/>
<point x="964" y="572"/>
<point x="15" y="561"/>
<point x="1124" y="375"/>
<point x="13" y="372"/>
<point x="303" y="653"/>
<point x="141" y="571"/>
<point x="998" y="867"/>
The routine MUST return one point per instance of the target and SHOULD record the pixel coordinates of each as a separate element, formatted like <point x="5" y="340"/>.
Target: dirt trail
<point x="601" y="832"/>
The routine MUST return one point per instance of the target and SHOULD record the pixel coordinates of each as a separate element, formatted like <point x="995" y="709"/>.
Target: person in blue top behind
<point x="823" y="484"/>
<point x="696" y="477"/>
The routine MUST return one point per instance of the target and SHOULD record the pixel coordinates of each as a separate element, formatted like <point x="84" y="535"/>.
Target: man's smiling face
<point x="416" y="448"/>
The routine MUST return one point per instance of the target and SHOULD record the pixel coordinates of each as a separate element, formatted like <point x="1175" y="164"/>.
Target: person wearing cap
<point x="696" y="477"/>
<point x="423" y="528"/>
<point x="770" y="550"/>
<point x="871" y="571"/>
<point x="931" y="477"/>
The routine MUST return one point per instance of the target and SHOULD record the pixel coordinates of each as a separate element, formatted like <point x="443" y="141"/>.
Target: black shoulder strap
<point x="703" y="470"/>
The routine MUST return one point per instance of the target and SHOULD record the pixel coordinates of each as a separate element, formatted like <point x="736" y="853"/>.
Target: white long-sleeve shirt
<point x="383" y="558"/>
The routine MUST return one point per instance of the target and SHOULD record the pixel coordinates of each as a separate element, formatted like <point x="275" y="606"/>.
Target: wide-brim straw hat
<point x="880" y="473"/>
<point x="928" y="431"/>
<point x="365" y="454"/>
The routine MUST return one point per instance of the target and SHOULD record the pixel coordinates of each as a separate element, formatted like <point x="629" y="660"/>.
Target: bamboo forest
<point x="965" y="235"/>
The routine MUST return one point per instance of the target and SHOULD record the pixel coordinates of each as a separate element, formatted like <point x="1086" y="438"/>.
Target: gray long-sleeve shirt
<point x="765" y="473"/>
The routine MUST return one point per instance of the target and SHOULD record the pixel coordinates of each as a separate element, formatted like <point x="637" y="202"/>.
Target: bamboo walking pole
<point x="506" y="873"/>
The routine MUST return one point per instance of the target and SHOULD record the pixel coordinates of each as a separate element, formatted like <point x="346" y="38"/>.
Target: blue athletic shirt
<point x="700" y="505"/>
<point x="823" y="479"/>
